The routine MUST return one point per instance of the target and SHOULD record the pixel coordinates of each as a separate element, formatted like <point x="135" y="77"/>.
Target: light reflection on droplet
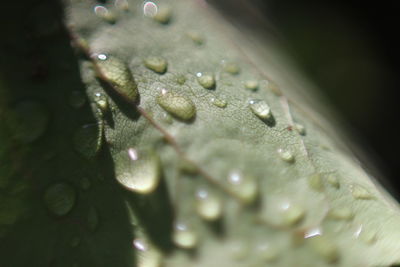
<point x="140" y="244"/>
<point x="150" y="9"/>
<point x="313" y="232"/>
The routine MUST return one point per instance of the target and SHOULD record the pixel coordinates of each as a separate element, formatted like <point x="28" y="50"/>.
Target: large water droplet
<point x="77" y="99"/>
<point x="282" y="211"/>
<point x="206" y="80"/>
<point x="88" y="139"/>
<point x="150" y="9"/>
<point x="184" y="236"/>
<point x="286" y="155"/>
<point x="177" y="105"/>
<point x="261" y="109"/>
<point x="156" y="64"/>
<point x="104" y="13"/>
<point x="315" y="182"/>
<point x="251" y="85"/>
<point x="60" y="198"/>
<point x="244" y="186"/>
<point x="218" y="102"/>
<point x="31" y="121"/>
<point x="138" y="171"/>
<point x="360" y="192"/>
<point x="117" y="74"/>
<point x="208" y="206"/>
<point x="324" y="248"/>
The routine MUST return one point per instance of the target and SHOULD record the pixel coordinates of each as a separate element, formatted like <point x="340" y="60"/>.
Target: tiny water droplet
<point x="163" y="15"/>
<point x="218" y="102"/>
<point x="87" y="140"/>
<point x="31" y="121"/>
<point x="209" y="206"/>
<point x="286" y="155"/>
<point x="102" y="102"/>
<point x="324" y="248"/>
<point x="333" y="181"/>
<point x="300" y="129"/>
<point x="156" y="64"/>
<point x="231" y="68"/>
<point x="138" y="171"/>
<point x="251" y="85"/>
<point x="283" y="212"/>
<point x="77" y="99"/>
<point x="85" y="183"/>
<point x="104" y="13"/>
<point x="181" y="79"/>
<point x="360" y="192"/>
<point x="261" y="109"/>
<point x="206" y="80"/>
<point x="116" y="73"/>
<point x="245" y="187"/>
<point x="75" y="241"/>
<point x="177" y="105"/>
<point x="343" y="213"/>
<point x="315" y="182"/>
<point x="184" y="236"/>
<point x="121" y="5"/>
<point x="196" y="37"/>
<point x="60" y="198"/>
<point x="92" y="219"/>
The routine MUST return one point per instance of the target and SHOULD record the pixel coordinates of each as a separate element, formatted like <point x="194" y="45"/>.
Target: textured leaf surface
<point x="220" y="162"/>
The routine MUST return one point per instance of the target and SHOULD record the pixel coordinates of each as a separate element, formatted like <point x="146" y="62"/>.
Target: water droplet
<point x="102" y="102"/>
<point x="261" y="109"/>
<point x="315" y="182"/>
<point x="88" y="139"/>
<point x="283" y="212"/>
<point x="150" y="9"/>
<point x="312" y="232"/>
<point x="181" y="79"/>
<point x="116" y="73"/>
<point x="163" y="15"/>
<point x="75" y="241"/>
<point x="218" y="102"/>
<point x="196" y="37"/>
<point x="147" y="255"/>
<point x="266" y="252"/>
<point x="184" y="237"/>
<point x="206" y="80"/>
<point x="293" y="214"/>
<point x="77" y="99"/>
<point x="31" y="121"/>
<point x="156" y="64"/>
<point x="104" y="13"/>
<point x="324" y="248"/>
<point x="367" y="236"/>
<point x="245" y="187"/>
<point x="92" y="219"/>
<point x="177" y="105"/>
<point x="209" y="206"/>
<point x="60" y="198"/>
<point x="121" y="5"/>
<point x="85" y="183"/>
<point x="138" y="171"/>
<point x="333" y="181"/>
<point x="251" y="85"/>
<point x="286" y="155"/>
<point x="300" y="129"/>
<point x="343" y="213"/>
<point x="231" y="68"/>
<point x="360" y="192"/>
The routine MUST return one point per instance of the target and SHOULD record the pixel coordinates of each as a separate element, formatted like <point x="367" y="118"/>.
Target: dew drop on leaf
<point x="315" y="182"/>
<point x="218" y="102"/>
<point x="147" y="255"/>
<point x="87" y="140"/>
<point x="163" y="15"/>
<point x="208" y="206"/>
<point x="206" y="80"/>
<point x="244" y="186"/>
<point x="231" y="68"/>
<point x="102" y="102"/>
<point x="117" y="74"/>
<point x="300" y="129"/>
<point x="325" y="248"/>
<point x="104" y="13"/>
<point x="31" y="121"/>
<point x="60" y="198"/>
<point x="196" y="37"/>
<point x="261" y="109"/>
<point x="286" y="155"/>
<point x="184" y="236"/>
<point x="342" y="213"/>
<point x="138" y="171"/>
<point x="177" y="105"/>
<point x="360" y="192"/>
<point x="333" y="181"/>
<point x="156" y="64"/>
<point x="251" y="85"/>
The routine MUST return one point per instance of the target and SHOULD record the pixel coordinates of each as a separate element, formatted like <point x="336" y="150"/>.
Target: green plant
<point x="170" y="139"/>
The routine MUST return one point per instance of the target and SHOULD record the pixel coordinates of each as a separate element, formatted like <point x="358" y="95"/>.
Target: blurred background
<point x="350" y="50"/>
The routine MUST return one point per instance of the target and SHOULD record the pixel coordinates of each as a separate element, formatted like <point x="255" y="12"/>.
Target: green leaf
<point x="218" y="158"/>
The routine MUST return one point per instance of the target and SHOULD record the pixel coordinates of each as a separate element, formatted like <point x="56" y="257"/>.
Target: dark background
<point x="349" y="49"/>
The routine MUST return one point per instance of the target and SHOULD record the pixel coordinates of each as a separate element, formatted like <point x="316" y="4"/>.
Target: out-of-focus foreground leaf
<point x="180" y="142"/>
